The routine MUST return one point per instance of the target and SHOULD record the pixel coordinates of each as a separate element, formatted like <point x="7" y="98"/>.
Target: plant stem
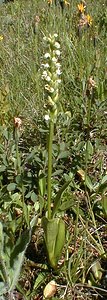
<point x="76" y="227"/>
<point x="17" y="151"/>
<point x="51" y="131"/>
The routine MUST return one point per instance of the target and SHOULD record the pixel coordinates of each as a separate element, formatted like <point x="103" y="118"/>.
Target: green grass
<point x="79" y="144"/>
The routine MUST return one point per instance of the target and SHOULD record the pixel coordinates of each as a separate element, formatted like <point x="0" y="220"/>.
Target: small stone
<point x="50" y="289"/>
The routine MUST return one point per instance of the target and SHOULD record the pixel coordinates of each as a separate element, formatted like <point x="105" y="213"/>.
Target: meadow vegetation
<point x="53" y="150"/>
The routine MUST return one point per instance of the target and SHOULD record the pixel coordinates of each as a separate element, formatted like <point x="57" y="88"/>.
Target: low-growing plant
<point x="11" y="259"/>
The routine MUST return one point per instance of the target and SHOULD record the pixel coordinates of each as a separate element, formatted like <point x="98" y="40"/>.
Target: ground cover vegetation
<point x="53" y="150"/>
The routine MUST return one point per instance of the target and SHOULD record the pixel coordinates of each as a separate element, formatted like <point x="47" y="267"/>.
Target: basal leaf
<point x="3" y="289"/>
<point x="17" y="257"/>
<point x="54" y="231"/>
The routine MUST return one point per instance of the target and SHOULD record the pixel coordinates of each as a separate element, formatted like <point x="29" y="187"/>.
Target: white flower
<point x="58" y="65"/>
<point x="57" y="52"/>
<point x="47" y="55"/>
<point x="46" y="117"/>
<point x="49" y="88"/>
<point x="55" y="35"/>
<point x="57" y="45"/>
<point x="58" y="72"/>
<point x="54" y="59"/>
<point x="58" y="80"/>
<point x="45" y="38"/>
<point x="46" y="66"/>
<point x="48" y="78"/>
<point x="44" y="75"/>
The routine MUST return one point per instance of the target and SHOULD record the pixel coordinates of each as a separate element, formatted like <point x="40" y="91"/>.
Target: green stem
<point x="76" y="227"/>
<point x="89" y="113"/>
<point x="51" y="131"/>
<point x="17" y="151"/>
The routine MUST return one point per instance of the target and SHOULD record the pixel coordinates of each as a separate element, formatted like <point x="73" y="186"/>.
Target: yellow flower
<point x="49" y="1"/>
<point x="1" y="37"/>
<point x="81" y="7"/>
<point x="66" y="2"/>
<point x="89" y="20"/>
<point x="86" y="20"/>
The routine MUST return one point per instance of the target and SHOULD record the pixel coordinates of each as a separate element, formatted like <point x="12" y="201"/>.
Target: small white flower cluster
<point x="52" y="71"/>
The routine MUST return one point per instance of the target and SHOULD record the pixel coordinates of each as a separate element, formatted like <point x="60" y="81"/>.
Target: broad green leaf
<point x="66" y="204"/>
<point x="58" y="172"/>
<point x="63" y="154"/>
<point x="96" y="270"/>
<point x="16" y="198"/>
<point x="18" y="179"/>
<point x="104" y="180"/>
<point x="3" y="269"/>
<point x="42" y="185"/>
<point x="102" y="188"/>
<point x="90" y="148"/>
<point x="62" y="146"/>
<point x="41" y="203"/>
<point x="33" y="197"/>
<point x="1" y="238"/>
<point x="36" y="206"/>
<point x="26" y="213"/>
<point x="3" y="289"/>
<point x="11" y="187"/>
<point x="54" y="233"/>
<point x="89" y="183"/>
<point x="91" y="280"/>
<point x="39" y="280"/>
<point x="58" y="197"/>
<point x="60" y="240"/>
<point x="103" y="185"/>
<point x="33" y="222"/>
<point x="17" y="257"/>
<point x="2" y="168"/>
<point x="104" y="205"/>
<point x="28" y="195"/>
<point x="50" y="228"/>
<point x="31" y="156"/>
